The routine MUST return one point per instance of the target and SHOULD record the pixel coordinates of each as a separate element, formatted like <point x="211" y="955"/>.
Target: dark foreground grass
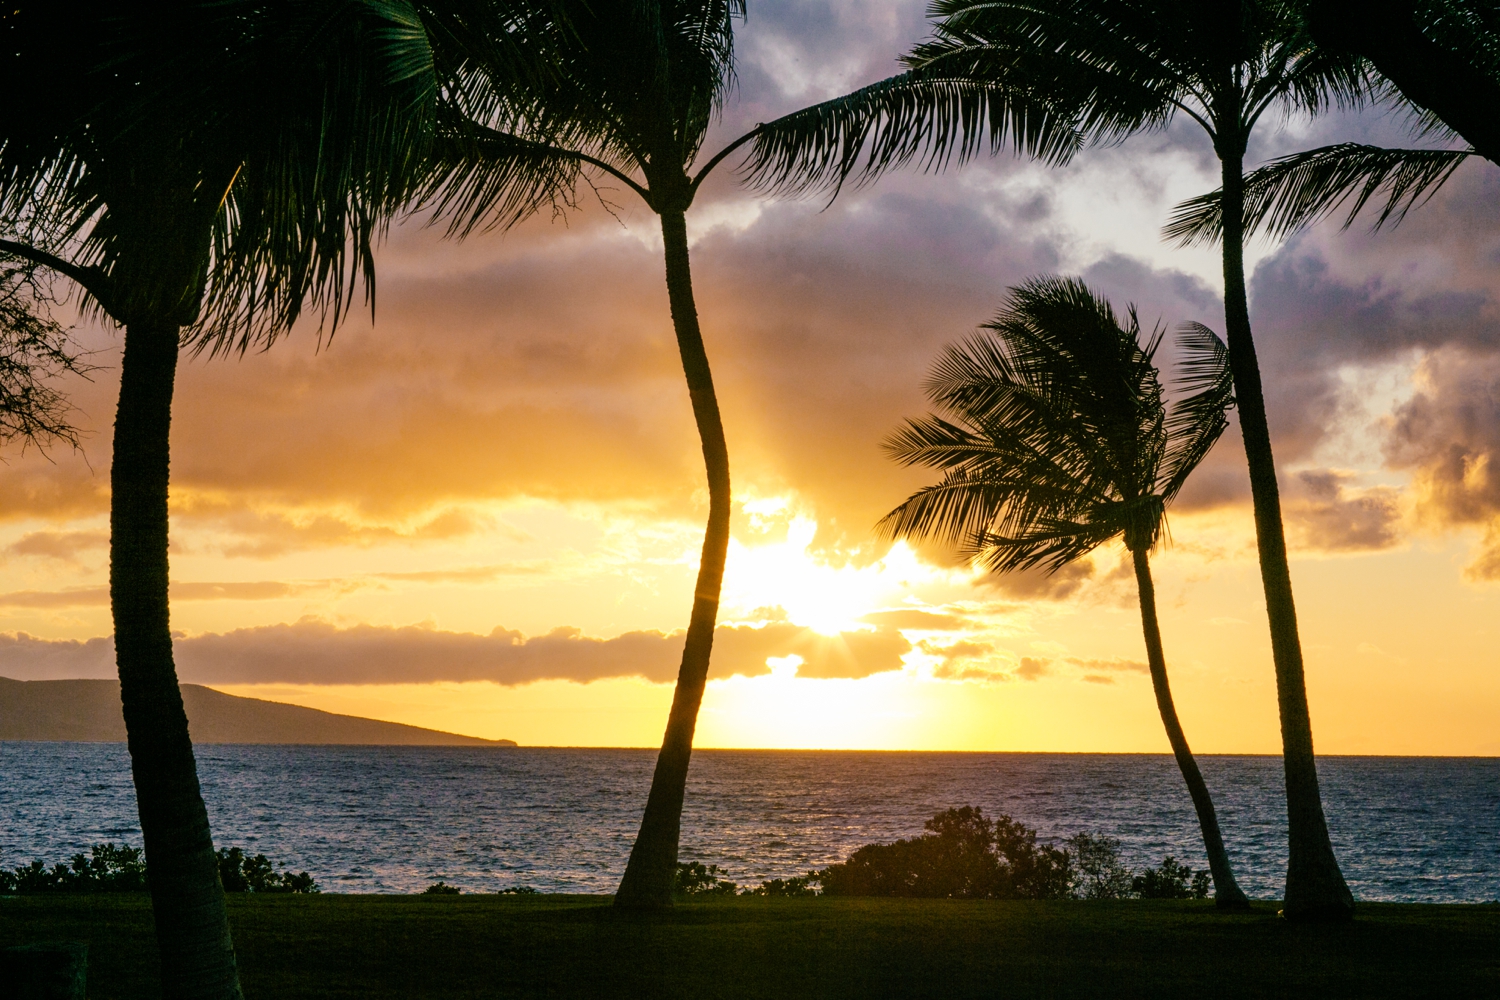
<point x="575" y="946"/>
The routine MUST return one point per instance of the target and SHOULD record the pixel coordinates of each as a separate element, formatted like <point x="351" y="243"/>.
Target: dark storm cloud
<point x="316" y="652"/>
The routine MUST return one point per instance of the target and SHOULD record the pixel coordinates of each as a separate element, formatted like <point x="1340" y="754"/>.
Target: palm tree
<point x="212" y="167"/>
<point x="638" y="87"/>
<point x="1049" y="77"/>
<point x="1056" y="440"/>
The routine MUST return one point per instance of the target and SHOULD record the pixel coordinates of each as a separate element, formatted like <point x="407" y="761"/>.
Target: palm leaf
<point x="925" y="116"/>
<point x="1199" y="418"/>
<point x="479" y="178"/>
<point x="1045" y="77"/>
<point x="1295" y="191"/>
<point x="1046" y="544"/>
<point x="1052" y="436"/>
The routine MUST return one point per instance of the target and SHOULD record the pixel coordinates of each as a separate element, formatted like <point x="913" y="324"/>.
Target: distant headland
<point x="89" y="712"/>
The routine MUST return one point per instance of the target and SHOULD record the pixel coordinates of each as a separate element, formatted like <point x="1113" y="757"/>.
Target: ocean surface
<point x="394" y="819"/>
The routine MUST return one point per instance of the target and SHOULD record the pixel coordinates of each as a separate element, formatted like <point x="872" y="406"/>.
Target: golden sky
<point x="482" y="513"/>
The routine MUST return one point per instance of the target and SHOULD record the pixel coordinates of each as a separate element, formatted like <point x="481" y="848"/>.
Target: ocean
<point x="395" y="819"/>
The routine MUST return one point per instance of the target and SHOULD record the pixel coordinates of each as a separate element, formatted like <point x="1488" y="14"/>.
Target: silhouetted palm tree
<point x="211" y="167"/>
<point x="1054" y="439"/>
<point x="1048" y="77"/>
<point x="639" y="84"/>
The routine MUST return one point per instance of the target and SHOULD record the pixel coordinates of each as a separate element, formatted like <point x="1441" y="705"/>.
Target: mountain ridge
<point x="88" y="711"/>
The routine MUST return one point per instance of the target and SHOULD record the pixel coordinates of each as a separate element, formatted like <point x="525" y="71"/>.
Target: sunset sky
<point x="483" y="513"/>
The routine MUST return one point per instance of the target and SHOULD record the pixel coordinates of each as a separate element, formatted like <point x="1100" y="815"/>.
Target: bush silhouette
<point x="963" y="856"/>
<point x="123" y="869"/>
<point x="242" y="873"/>
<point x="798" y="885"/>
<point x="1171" y="881"/>
<point x="107" y="869"/>
<point x="1097" y="870"/>
<point x="441" y="889"/>
<point x="694" y="878"/>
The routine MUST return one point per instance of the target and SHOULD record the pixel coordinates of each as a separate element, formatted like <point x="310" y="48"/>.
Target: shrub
<point x="107" y="869"/>
<point x="519" y="890"/>
<point x="1034" y="871"/>
<point x="1097" y="871"/>
<point x="441" y="889"/>
<point x="694" y="878"/>
<point x="800" y="885"/>
<point x="241" y="873"/>
<point x="963" y="856"/>
<point x="1171" y="881"/>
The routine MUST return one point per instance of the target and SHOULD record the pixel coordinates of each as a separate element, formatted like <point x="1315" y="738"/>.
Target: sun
<point x="815" y="594"/>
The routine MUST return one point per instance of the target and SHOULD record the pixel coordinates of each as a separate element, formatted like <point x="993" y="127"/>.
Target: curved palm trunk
<point x="653" y="859"/>
<point x="187" y="900"/>
<point x="1227" y="893"/>
<point x="1315" y="887"/>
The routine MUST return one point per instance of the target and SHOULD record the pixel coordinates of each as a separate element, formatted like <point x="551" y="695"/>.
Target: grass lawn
<point x="574" y="946"/>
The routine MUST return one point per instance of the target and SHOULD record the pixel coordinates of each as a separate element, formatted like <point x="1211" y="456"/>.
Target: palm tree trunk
<point x="187" y="900"/>
<point x="1315" y="888"/>
<point x="1227" y="893"/>
<point x="653" y="860"/>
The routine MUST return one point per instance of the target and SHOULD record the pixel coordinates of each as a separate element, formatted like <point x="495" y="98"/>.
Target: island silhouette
<point x="89" y="711"/>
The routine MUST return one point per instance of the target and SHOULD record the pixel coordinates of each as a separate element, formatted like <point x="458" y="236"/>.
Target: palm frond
<point x="482" y="179"/>
<point x="1106" y="60"/>
<point x="1068" y="345"/>
<point x="1052" y="434"/>
<point x="955" y="511"/>
<point x="1003" y="455"/>
<point x="1195" y="423"/>
<point x="315" y="181"/>
<point x="926" y="116"/>
<point x="1049" y="545"/>
<point x="1295" y="191"/>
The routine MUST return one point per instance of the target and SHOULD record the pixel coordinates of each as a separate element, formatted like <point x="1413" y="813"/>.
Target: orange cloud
<point x="1328" y="515"/>
<point x="311" y="651"/>
<point x="64" y="546"/>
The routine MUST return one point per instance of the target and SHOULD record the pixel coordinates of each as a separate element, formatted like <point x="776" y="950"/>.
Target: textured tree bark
<point x="192" y="927"/>
<point x="1315" y="887"/>
<point x="1227" y="892"/>
<point x="653" y="859"/>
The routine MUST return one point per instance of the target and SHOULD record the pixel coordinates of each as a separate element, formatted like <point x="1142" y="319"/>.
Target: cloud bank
<point x="311" y="651"/>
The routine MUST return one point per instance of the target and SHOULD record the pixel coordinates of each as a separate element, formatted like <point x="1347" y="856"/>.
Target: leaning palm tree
<point x="1055" y="440"/>
<point x="205" y="170"/>
<point x="639" y="85"/>
<point x="1049" y="77"/>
